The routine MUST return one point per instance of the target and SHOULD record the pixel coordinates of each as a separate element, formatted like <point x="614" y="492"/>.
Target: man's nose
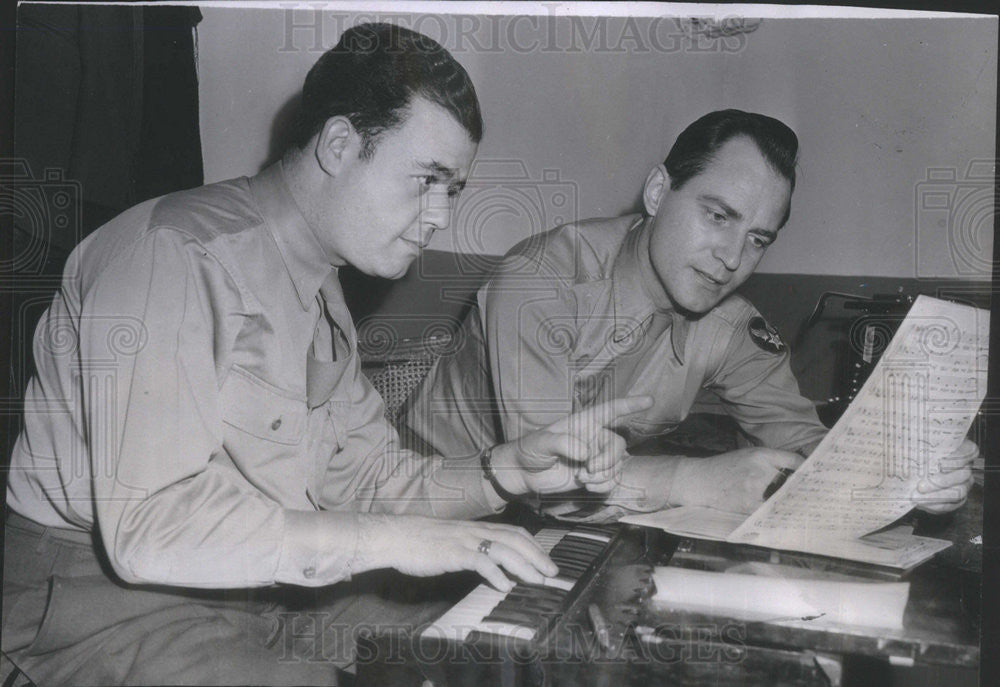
<point x="437" y="210"/>
<point x="729" y="251"/>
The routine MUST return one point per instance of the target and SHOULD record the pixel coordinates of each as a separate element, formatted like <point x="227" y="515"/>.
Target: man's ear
<point x="338" y="142"/>
<point x="656" y="183"/>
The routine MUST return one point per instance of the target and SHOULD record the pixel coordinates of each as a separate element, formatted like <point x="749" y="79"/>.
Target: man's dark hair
<point x="372" y="76"/>
<point x="698" y="144"/>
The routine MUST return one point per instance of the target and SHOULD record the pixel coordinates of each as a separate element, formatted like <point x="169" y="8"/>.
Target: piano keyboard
<point x="526" y="609"/>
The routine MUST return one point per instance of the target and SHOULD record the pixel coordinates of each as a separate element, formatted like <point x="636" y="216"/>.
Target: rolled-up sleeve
<point x="154" y="333"/>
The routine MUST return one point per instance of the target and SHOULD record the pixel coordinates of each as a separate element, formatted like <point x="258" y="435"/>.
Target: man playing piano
<point x="203" y="468"/>
<point x="645" y="304"/>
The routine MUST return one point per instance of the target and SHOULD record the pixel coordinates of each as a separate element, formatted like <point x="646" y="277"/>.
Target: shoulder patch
<point x="765" y="336"/>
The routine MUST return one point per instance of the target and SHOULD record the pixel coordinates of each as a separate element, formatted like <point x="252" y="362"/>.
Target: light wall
<point x="582" y="110"/>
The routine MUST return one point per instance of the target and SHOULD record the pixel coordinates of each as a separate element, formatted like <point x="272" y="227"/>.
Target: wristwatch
<point x="486" y="461"/>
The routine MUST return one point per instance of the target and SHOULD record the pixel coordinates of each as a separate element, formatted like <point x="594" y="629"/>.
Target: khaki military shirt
<point x="170" y="411"/>
<point x="568" y="319"/>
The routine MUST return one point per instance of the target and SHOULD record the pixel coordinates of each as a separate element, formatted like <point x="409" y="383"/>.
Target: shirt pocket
<point x="262" y="410"/>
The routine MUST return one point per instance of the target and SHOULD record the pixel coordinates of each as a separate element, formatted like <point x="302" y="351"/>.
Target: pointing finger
<point x="585" y="422"/>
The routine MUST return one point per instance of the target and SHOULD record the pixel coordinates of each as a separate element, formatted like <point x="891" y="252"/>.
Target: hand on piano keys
<point x="528" y="609"/>
<point x="422" y="546"/>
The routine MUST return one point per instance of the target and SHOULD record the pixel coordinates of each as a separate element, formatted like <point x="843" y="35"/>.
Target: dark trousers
<point x="67" y="621"/>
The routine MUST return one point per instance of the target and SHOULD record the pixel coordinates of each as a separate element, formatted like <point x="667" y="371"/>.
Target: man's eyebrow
<point x="438" y="168"/>
<point x="726" y="207"/>
<point x="771" y="236"/>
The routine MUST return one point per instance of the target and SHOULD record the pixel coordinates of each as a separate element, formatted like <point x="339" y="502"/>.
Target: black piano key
<point x="574" y="562"/>
<point x="569" y="555"/>
<point x="566" y="559"/>
<point x="603" y="530"/>
<point x="533" y="588"/>
<point x="566" y="554"/>
<point x="537" y="603"/>
<point x="580" y="545"/>
<point x="512" y="610"/>
<point x="572" y="565"/>
<point x="570" y="558"/>
<point x="575" y="544"/>
<point x="538" y="600"/>
<point x="532" y="608"/>
<point x="535" y="594"/>
<point x="591" y="553"/>
<point x="534" y="601"/>
<point x="514" y="617"/>
<point x="522" y="591"/>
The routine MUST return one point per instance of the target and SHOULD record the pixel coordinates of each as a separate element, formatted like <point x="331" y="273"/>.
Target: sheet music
<point x="916" y="407"/>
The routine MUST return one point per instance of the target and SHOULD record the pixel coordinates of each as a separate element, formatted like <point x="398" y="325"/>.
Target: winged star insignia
<point x="765" y="336"/>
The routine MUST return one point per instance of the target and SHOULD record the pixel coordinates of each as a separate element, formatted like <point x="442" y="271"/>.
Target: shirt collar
<point x="638" y="292"/>
<point x="297" y="244"/>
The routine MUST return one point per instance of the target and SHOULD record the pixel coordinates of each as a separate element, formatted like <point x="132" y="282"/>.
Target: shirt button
<point x="309" y="573"/>
<point x="276" y="424"/>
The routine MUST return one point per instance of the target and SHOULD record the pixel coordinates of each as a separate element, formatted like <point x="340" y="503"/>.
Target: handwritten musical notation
<point x="915" y="409"/>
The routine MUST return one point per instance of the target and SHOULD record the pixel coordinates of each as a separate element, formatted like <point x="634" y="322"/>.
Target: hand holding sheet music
<point x="911" y="415"/>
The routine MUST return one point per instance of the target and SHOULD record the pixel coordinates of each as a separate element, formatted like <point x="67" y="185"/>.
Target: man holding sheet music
<point x="603" y="308"/>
